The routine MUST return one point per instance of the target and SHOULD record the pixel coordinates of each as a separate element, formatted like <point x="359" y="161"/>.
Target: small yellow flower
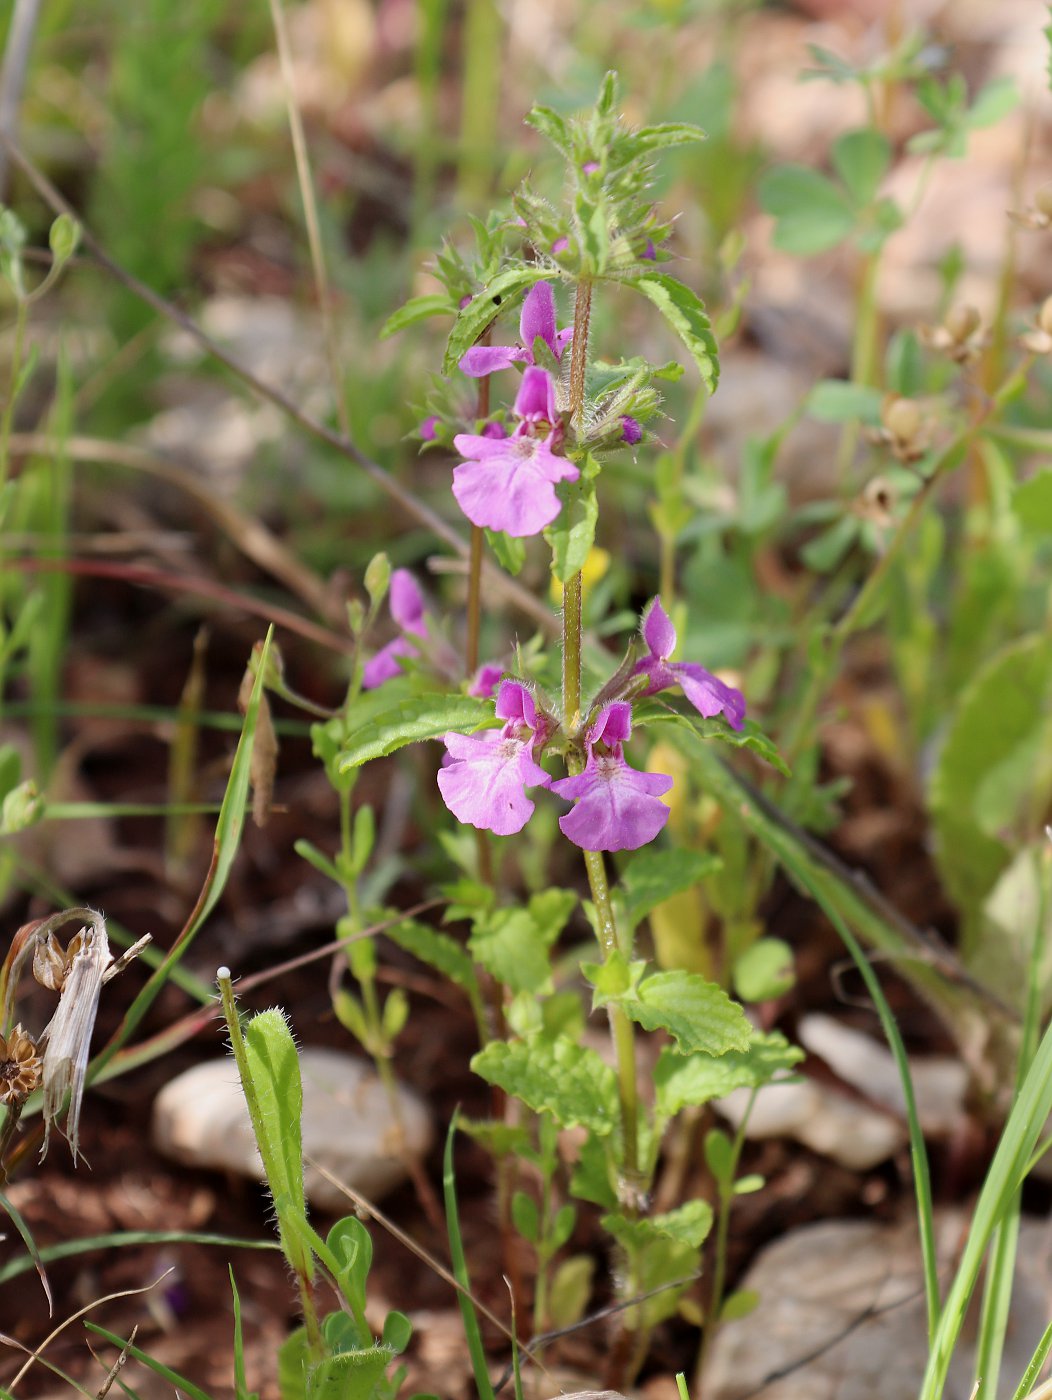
<point x="595" y="568"/>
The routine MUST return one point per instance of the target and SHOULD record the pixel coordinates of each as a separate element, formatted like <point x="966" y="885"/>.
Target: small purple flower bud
<point x="560" y="245"/>
<point x="497" y="431"/>
<point x="465" y="300"/>
<point x="649" y="252"/>
<point x="589" y="167"/>
<point x="631" y="431"/>
<point x="485" y="680"/>
<point x="427" y="428"/>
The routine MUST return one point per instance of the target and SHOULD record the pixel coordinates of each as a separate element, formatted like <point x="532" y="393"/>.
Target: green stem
<point x="8" y="417"/>
<point x="864" y="355"/>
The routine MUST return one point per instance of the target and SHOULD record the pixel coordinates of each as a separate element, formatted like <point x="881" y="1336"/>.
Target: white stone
<point x="201" y="1119"/>
<point x="841" y="1316"/>
<point x="939" y="1082"/>
<point x="856" y="1135"/>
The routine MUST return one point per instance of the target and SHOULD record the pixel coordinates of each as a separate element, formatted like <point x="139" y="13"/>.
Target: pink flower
<point x="484" y="682"/>
<point x="631" y="431"/>
<point x="427" y="428"/>
<point x="708" y="694"/>
<point x="509" y="484"/>
<point x="537" y="319"/>
<point x="617" y="807"/>
<point x="484" y="784"/>
<point x="407" y="608"/>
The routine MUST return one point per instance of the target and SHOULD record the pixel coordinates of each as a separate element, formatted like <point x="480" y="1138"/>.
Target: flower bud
<point x="902" y="418"/>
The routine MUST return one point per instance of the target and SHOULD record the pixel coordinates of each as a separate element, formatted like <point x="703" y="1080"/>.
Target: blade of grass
<point x="180" y="1383"/>
<point x="460" y="1271"/>
<point x="126" y="1239"/>
<point x="31" y="1245"/>
<point x="225" y="847"/>
<point x="1000" y="1270"/>
<point x="1033" y="1370"/>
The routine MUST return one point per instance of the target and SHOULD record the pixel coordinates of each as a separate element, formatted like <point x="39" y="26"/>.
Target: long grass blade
<point x="1033" y="1370"/>
<point x="127" y="1239"/>
<point x="472" y="1332"/>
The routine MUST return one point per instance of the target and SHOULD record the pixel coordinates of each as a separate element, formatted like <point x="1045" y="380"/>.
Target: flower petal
<point x="613" y="724"/>
<point x="617" y="808"/>
<point x="513" y="491"/>
<point x="407" y="602"/>
<point x="536" y="396"/>
<point x="658" y="631"/>
<point x="708" y="694"/>
<point x="484" y="681"/>
<point x="489" y="359"/>
<point x="538" y="317"/>
<point x="484" y="785"/>
<point x="384" y="665"/>
<point x="515" y="702"/>
<point x="477" y="446"/>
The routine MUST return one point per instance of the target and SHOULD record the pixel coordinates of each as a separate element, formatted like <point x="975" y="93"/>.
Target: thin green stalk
<point x="864" y="354"/>
<point x="8" y="417"/>
<point x="482" y="31"/>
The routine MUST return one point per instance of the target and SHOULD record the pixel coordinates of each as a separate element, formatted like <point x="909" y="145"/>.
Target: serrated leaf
<point x="811" y="213"/>
<point x="512" y="949"/>
<point x="559" y="1077"/>
<point x="682" y="1080"/>
<point x="552" y="126"/>
<point x="685" y="313"/>
<point x="654" y="875"/>
<point x="409" y="721"/>
<point x="861" y="159"/>
<point x="484" y="307"/>
<point x="689" y="1224"/>
<point x="994" y="770"/>
<point x="436" y="949"/>
<point x="750" y="736"/>
<point x="572" y="534"/>
<point x="698" y="1014"/>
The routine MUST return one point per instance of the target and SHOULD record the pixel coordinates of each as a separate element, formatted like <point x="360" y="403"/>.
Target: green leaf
<point x="655" y="875"/>
<point x="351" y="1375"/>
<point x="374" y="730"/>
<point x="841" y="401"/>
<point x="1032" y="502"/>
<point x="994" y="771"/>
<point x="750" y="736"/>
<point x="682" y="1080"/>
<point x="436" y="949"/>
<point x="697" y="1013"/>
<point x="398" y="1331"/>
<point x="719" y="1156"/>
<point x="510" y="551"/>
<point x="685" y="313"/>
<point x="558" y="1077"/>
<point x="572" y="534"/>
<point x="512" y="949"/>
<point x="739" y="1304"/>
<point x="551" y="126"/>
<point x="483" y="308"/>
<point x="663" y="135"/>
<point x="63" y="237"/>
<point x="571" y="1288"/>
<point x="764" y="971"/>
<point x="417" y="309"/>
<point x="294" y="1358"/>
<point x="993" y="102"/>
<point x="525" y="1216"/>
<point x="811" y="213"/>
<point x="861" y="159"/>
<point x="275" y="1097"/>
<point x="689" y="1224"/>
<point x="830" y="546"/>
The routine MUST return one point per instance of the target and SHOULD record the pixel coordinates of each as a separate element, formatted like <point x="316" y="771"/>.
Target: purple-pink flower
<point x="708" y="694"/>
<point x="537" y="319"/>
<point x="509" y="484"/>
<point x="407" y="608"/>
<point x="484" y="681"/>
<point x="617" y="808"/>
<point x="484" y="783"/>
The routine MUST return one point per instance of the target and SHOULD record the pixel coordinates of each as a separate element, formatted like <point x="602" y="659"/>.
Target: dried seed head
<point x="50" y="963"/>
<point x="902" y="418"/>
<point x="879" y="500"/>
<point x="21" y="1068"/>
<point x="962" y="322"/>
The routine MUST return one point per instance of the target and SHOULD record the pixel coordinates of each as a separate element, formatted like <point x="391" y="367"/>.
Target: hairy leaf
<point x="685" y="313"/>
<point x="558" y="1077"/>
<point x="680" y="1080"/>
